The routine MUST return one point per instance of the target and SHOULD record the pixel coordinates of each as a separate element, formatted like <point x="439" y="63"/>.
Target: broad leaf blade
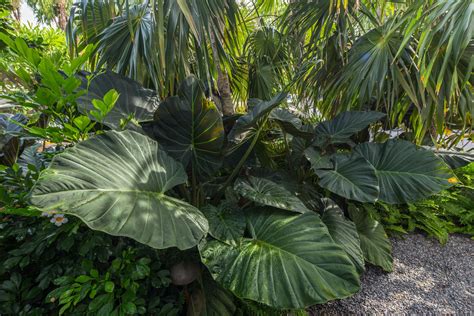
<point x="343" y="126"/>
<point x="190" y="128"/>
<point x="115" y="183"/>
<point x="344" y="232"/>
<point x="406" y="173"/>
<point x="267" y="192"/>
<point x="134" y="100"/>
<point x="373" y="239"/>
<point x="291" y="263"/>
<point x="352" y="177"/>
<point x="226" y="222"/>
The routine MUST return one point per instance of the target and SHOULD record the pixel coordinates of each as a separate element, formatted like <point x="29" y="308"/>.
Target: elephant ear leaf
<point x="291" y="262"/>
<point x="351" y="177"/>
<point x="134" y="102"/>
<point x="116" y="183"/>
<point x="290" y="123"/>
<point x="405" y="172"/>
<point x="344" y="232"/>
<point x="246" y="126"/>
<point x="374" y="242"/>
<point x="190" y="128"/>
<point x="343" y="126"/>
<point x="267" y="192"/>
<point x="226" y="222"/>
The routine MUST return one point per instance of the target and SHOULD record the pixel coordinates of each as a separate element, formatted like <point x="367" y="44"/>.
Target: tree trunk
<point x="223" y="84"/>
<point x="62" y="17"/>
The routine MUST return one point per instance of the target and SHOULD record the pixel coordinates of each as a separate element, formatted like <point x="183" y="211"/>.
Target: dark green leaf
<point x="405" y="172"/>
<point x="352" y="177"/>
<point x="343" y="126"/>
<point x="292" y="262"/>
<point x="226" y="222"/>
<point x="190" y="128"/>
<point x="373" y="239"/>
<point x="267" y="192"/>
<point x="344" y="232"/>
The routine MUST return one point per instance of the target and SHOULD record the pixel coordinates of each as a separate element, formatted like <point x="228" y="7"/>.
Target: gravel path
<point x="427" y="279"/>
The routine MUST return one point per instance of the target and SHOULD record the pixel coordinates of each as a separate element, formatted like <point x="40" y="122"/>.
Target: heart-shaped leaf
<point x="344" y="125"/>
<point x="405" y="172"/>
<point x="291" y="262"/>
<point x="116" y="183"/>
<point x="267" y="192"/>
<point x="352" y="177"/>
<point x="190" y="128"/>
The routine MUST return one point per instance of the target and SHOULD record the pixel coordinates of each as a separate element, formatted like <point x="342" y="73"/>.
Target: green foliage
<point x="49" y="269"/>
<point x="450" y="211"/>
<point x="127" y="184"/>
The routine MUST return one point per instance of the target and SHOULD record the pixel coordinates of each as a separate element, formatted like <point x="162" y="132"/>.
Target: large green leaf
<point x="134" y="100"/>
<point x="290" y="123"/>
<point x="373" y="239"/>
<point x="352" y="177"/>
<point x="247" y="124"/>
<point x="190" y="128"/>
<point x="344" y="232"/>
<point x="267" y="192"/>
<point x="344" y="125"/>
<point x="226" y="222"/>
<point x="291" y="262"/>
<point x="116" y="183"/>
<point x="405" y="172"/>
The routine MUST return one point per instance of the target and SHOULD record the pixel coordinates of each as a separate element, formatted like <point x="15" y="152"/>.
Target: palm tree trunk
<point x="62" y="17"/>
<point x="223" y="84"/>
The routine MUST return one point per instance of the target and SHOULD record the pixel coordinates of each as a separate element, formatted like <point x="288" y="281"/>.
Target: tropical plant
<point x="277" y="225"/>
<point x="409" y="59"/>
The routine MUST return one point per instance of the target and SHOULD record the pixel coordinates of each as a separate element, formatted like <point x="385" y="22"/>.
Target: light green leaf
<point x="292" y="262"/>
<point x="344" y="125"/>
<point x="267" y="192"/>
<point x="226" y="222"/>
<point x="116" y="183"/>
<point x="405" y="172"/>
<point x="352" y="177"/>
<point x="373" y="239"/>
<point x="190" y="128"/>
<point x="343" y="231"/>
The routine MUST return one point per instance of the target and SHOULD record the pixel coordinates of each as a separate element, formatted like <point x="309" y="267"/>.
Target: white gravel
<point x="427" y="279"/>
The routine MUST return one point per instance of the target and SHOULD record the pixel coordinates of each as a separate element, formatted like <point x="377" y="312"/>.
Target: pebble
<point x="428" y="278"/>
